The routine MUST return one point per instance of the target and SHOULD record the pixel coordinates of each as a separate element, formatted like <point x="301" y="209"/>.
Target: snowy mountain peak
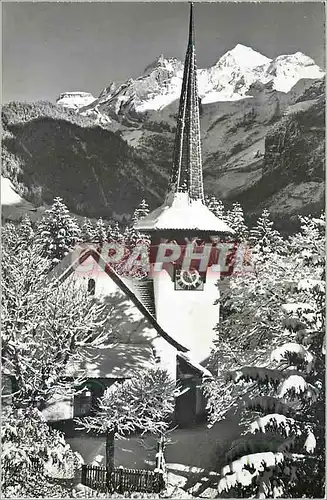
<point x="228" y="80"/>
<point x="172" y="64"/>
<point x="242" y="56"/>
<point x="297" y="57"/>
<point x="287" y="70"/>
<point x="75" y="100"/>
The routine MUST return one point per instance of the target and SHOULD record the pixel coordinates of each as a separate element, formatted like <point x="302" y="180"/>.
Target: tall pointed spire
<point x="186" y="173"/>
<point x="184" y="210"/>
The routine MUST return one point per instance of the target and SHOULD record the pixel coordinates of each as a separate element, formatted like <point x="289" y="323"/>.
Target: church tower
<point x="185" y="295"/>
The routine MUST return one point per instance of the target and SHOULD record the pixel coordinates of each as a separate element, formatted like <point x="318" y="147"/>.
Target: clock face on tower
<point x="188" y="279"/>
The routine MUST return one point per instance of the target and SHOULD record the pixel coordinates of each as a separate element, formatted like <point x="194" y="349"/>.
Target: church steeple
<point x="184" y="210"/>
<point x="186" y="176"/>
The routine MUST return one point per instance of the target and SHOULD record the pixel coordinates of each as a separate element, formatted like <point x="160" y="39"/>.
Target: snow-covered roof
<point x="180" y="212"/>
<point x="113" y="361"/>
<point x="143" y="290"/>
<point x="140" y="295"/>
<point x="197" y="366"/>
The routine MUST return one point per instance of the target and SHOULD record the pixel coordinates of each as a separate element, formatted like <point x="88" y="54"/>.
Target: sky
<point x="49" y="48"/>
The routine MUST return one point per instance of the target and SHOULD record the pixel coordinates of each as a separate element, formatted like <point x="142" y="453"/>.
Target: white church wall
<point x="189" y="316"/>
<point x="167" y="356"/>
<point x="128" y="323"/>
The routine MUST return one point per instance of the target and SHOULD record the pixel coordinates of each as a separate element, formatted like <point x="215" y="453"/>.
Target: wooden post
<point x="120" y="482"/>
<point x="110" y="457"/>
<point x="83" y="478"/>
<point x="110" y="449"/>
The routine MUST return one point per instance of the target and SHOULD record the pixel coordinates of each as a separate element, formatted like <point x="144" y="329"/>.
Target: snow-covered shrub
<point x="31" y="454"/>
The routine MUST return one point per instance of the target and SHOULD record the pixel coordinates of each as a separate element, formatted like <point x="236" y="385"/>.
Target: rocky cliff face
<point x="292" y="179"/>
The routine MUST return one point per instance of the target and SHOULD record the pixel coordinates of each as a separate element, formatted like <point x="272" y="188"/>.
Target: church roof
<point x="181" y="213"/>
<point x="195" y="366"/>
<point x="143" y="290"/>
<point x="121" y="361"/>
<point x="184" y="206"/>
<point x="140" y="292"/>
<point x="113" y="361"/>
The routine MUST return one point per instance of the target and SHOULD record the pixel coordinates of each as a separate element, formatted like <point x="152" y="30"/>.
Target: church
<point x="166" y="318"/>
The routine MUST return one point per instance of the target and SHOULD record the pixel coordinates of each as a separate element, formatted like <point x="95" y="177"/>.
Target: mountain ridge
<point x="228" y="79"/>
<point x="117" y="152"/>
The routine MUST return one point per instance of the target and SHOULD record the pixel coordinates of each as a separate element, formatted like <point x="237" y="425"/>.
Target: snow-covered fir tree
<point x="100" y="232"/>
<point x="44" y="326"/>
<point x="275" y="337"/>
<point x="136" y="245"/>
<point x="26" y="233"/>
<point x="131" y="236"/>
<point x="235" y="219"/>
<point x="9" y="234"/>
<point x="141" y="211"/>
<point x="216" y="206"/>
<point x="87" y="231"/>
<point x="263" y="236"/>
<point x="115" y="233"/>
<point x="58" y="232"/>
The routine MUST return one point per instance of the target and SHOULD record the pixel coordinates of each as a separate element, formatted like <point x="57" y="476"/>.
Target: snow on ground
<point x="158" y="101"/>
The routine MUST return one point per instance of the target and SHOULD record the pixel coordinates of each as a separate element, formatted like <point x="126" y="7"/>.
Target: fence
<point x="122" y="480"/>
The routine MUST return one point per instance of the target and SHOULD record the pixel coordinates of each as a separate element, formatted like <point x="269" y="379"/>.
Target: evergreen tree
<point x="26" y="233"/>
<point x="58" y="232"/>
<point x="114" y="233"/>
<point x="263" y="236"/>
<point x="280" y="309"/>
<point x="100" y="232"/>
<point x="109" y="231"/>
<point x="141" y="211"/>
<point x="87" y="231"/>
<point x="235" y="219"/>
<point x="216" y="207"/>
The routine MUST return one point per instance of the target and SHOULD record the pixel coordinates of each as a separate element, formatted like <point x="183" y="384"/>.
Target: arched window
<point x="91" y="286"/>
